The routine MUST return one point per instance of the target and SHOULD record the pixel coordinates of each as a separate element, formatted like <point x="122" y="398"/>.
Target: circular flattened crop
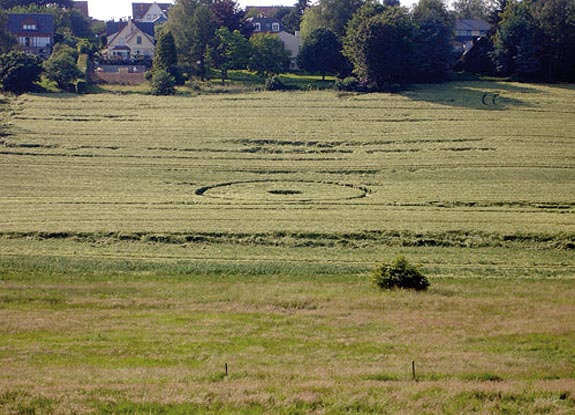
<point x="282" y="191"/>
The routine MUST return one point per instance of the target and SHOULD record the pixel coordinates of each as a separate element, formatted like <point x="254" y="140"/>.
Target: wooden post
<point x="413" y="369"/>
<point x="226" y="369"/>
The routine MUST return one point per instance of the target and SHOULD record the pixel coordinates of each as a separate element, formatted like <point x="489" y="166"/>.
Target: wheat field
<point x="149" y="244"/>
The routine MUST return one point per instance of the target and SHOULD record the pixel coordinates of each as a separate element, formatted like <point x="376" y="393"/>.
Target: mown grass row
<point x="453" y="239"/>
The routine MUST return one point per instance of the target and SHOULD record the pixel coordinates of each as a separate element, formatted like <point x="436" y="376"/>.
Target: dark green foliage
<point x="382" y="47"/>
<point x="19" y="71"/>
<point x="556" y="22"/>
<point x="273" y="83"/>
<point x="166" y="56"/>
<point x="390" y="46"/>
<point x="434" y="37"/>
<point x="535" y="40"/>
<point x="61" y="67"/>
<point x="333" y="14"/>
<point x="269" y="55"/>
<point x="163" y="83"/>
<point x="193" y="25"/>
<point x="228" y="14"/>
<point x="233" y="51"/>
<point x="322" y="52"/>
<point x="81" y="87"/>
<point x="349" y="84"/>
<point x="399" y="273"/>
<point x="477" y="59"/>
<point x="516" y="39"/>
<point x="7" y="41"/>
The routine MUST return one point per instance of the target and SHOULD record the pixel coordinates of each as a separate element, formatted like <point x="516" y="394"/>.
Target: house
<point x="129" y="39"/>
<point x="466" y="30"/>
<point x="292" y="43"/>
<point x="82" y="7"/>
<point x="150" y="12"/>
<point x="33" y="31"/>
<point x="266" y="25"/>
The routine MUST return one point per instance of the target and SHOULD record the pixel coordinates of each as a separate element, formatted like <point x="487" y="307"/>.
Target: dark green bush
<point x="81" y="87"/>
<point x="163" y="83"/>
<point x="399" y="273"/>
<point x="273" y="83"/>
<point x="349" y="84"/>
<point x="19" y="72"/>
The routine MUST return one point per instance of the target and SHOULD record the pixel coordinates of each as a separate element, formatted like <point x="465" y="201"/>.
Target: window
<point x="139" y="40"/>
<point x="29" y="26"/>
<point x="27" y="41"/>
<point x="148" y="17"/>
<point x="257" y="27"/>
<point x="275" y="27"/>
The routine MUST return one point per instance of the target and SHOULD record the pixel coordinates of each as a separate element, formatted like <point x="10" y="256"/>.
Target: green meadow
<point x="210" y="253"/>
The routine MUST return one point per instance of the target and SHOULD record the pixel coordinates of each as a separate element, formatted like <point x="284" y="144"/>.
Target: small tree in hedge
<point x="162" y="83"/>
<point x="61" y="67"/>
<point x="399" y="273"/>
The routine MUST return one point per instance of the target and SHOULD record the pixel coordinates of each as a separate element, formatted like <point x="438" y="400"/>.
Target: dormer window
<point x="275" y="27"/>
<point x="29" y="26"/>
<point x="257" y="27"/>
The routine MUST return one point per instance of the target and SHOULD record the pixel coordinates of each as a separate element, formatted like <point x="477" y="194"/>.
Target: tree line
<point x="375" y="45"/>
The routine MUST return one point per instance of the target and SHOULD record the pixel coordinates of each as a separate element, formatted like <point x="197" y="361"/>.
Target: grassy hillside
<point x="146" y="241"/>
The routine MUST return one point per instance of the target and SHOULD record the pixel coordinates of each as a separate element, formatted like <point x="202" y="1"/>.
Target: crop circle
<point x="282" y="191"/>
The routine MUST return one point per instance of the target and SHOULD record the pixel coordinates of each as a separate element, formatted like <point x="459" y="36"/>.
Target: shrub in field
<point x="81" y="87"/>
<point x="349" y="84"/>
<point x="273" y="83"/>
<point x="163" y="83"/>
<point x="399" y="273"/>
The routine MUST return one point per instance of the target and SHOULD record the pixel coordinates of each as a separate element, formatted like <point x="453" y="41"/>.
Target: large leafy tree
<point x="233" y="51"/>
<point x="193" y="25"/>
<point x="333" y="14"/>
<point x="61" y="67"/>
<point x="434" y="50"/>
<point x="322" y="52"/>
<point x="180" y="24"/>
<point x="19" y="71"/>
<point x="556" y="23"/>
<point x="381" y="46"/>
<point x="227" y="13"/>
<point x="203" y="36"/>
<point x="517" y="43"/>
<point x="269" y="55"/>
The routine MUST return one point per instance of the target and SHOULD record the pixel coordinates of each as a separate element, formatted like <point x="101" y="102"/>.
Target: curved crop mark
<point x="292" y="188"/>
